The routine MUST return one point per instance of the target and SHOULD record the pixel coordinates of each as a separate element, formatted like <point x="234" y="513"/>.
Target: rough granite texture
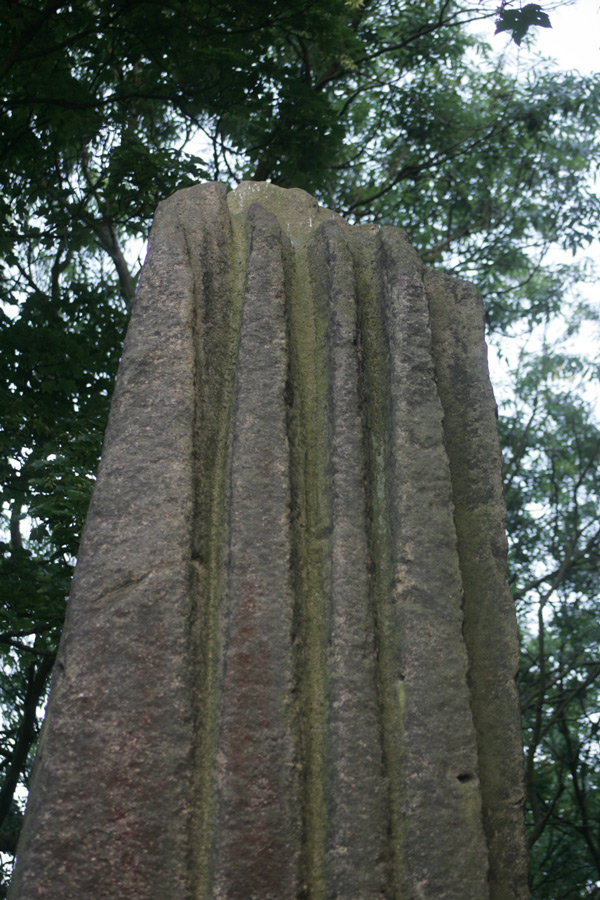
<point x="288" y="667"/>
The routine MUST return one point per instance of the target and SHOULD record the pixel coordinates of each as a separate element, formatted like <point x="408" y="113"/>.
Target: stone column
<point x="288" y="666"/>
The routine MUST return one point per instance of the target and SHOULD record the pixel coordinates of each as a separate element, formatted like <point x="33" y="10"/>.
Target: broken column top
<point x="288" y="665"/>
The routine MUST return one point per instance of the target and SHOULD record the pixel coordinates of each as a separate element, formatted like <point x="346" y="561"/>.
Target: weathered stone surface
<point x="288" y="668"/>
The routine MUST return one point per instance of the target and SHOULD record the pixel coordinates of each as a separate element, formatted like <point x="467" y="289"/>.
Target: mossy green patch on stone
<point x="374" y="386"/>
<point x="214" y="433"/>
<point x="298" y="214"/>
<point x="311" y="524"/>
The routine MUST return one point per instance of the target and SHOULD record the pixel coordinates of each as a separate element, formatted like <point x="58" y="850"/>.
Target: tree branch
<point x="27" y="35"/>
<point x="37" y="676"/>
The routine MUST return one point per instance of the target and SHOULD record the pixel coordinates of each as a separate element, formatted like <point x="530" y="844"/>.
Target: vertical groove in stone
<point x="257" y="839"/>
<point x="374" y="387"/>
<point x="439" y="753"/>
<point x="355" y="787"/>
<point x="308" y="431"/>
<point x="217" y="311"/>
<point x="471" y="438"/>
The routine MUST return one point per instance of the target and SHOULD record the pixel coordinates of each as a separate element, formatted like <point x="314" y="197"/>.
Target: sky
<point x="574" y="39"/>
<point x="573" y="42"/>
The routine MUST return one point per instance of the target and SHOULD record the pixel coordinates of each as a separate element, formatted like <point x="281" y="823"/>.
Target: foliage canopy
<point x="387" y="111"/>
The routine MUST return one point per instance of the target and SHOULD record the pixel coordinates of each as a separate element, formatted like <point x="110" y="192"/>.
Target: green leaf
<point x="519" y="21"/>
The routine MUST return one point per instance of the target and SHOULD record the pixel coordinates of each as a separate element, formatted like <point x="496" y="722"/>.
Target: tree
<point x="552" y="453"/>
<point x="387" y="111"/>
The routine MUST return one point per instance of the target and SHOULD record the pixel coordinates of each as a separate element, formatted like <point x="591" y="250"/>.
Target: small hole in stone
<point x="466" y="776"/>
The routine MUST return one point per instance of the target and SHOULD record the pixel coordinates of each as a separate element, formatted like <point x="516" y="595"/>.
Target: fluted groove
<point x="216" y="327"/>
<point x="355" y="790"/>
<point x="256" y="771"/>
<point x="324" y="708"/>
<point x="308" y="431"/>
<point x="490" y="628"/>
